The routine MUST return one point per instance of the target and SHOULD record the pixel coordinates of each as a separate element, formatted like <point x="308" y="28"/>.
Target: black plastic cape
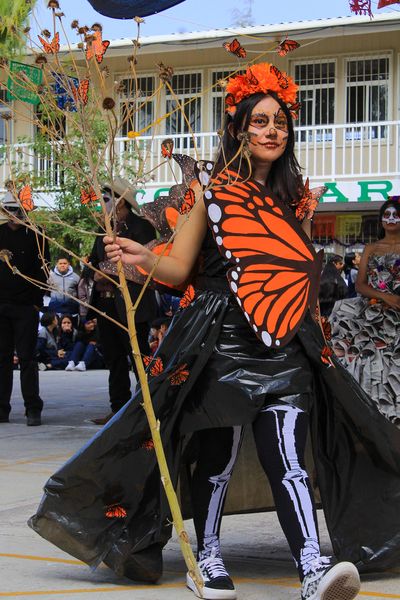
<point x="107" y="502"/>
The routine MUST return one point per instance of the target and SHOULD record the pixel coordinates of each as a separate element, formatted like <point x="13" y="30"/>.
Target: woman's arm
<point x="175" y="268"/>
<point x="365" y="289"/>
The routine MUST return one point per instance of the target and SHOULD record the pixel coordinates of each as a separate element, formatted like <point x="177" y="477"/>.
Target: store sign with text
<point x="364" y="190"/>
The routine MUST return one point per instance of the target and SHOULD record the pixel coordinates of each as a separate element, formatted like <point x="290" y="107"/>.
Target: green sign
<point x="23" y="81"/>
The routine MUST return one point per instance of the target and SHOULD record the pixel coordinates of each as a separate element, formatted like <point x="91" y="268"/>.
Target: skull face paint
<point x="391" y="216"/>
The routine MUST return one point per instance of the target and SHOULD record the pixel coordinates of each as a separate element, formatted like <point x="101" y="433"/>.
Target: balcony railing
<point x="326" y="153"/>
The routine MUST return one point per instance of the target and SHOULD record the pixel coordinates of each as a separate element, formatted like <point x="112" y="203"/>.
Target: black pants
<point x="280" y="434"/>
<point x="19" y="331"/>
<point x="116" y="349"/>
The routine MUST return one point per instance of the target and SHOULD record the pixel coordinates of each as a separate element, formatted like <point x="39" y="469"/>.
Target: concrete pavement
<point x="254" y="547"/>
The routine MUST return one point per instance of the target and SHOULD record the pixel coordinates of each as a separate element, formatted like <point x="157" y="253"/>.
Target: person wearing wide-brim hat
<point x="107" y="298"/>
<point x="118" y="189"/>
<point x="19" y="304"/>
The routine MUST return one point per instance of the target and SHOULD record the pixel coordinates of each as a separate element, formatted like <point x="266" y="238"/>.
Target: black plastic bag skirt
<point x="107" y="502"/>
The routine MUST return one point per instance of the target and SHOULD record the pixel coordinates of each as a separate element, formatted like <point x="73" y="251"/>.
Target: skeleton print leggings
<point x="280" y="434"/>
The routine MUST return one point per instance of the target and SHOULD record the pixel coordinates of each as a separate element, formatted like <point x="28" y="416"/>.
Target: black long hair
<point x="284" y="178"/>
<point x="390" y="202"/>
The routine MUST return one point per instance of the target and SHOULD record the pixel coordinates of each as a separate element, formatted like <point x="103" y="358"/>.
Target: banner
<point x="22" y="82"/>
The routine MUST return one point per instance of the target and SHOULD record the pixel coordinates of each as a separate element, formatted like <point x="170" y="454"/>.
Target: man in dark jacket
<point x="107" y="298"/>
<point x="20" y="302"/>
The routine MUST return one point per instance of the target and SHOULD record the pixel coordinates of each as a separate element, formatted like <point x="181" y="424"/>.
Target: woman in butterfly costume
<point x="245" y="349"/>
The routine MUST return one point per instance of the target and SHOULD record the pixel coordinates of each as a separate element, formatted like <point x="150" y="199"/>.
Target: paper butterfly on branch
<point x="81" y="93"/>
<point x="50" y="47"/>
<point x="25" y="198"/>
<point x="95" y="46"/>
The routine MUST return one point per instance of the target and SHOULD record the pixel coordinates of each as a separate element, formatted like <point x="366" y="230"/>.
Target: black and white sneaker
<point x="217" y="583"/>
<point x="338" y="582"/>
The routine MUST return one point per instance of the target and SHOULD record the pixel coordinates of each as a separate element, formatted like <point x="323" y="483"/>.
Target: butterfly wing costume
<point x="245" y="338"/>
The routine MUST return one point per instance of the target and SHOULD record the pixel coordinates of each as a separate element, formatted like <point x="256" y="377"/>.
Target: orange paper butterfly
<point x="80" y="93"/>
<point x="282" y="79"/>
<point x="294" y="109"/>
<point x="148" y="445"/>
<point x="287" y="46"/>
<point x="97" y="47"/>
<point x="235" y="47"/>
<point x="307" y="205"/>
<point x="326" y="356"/>
<point x="115" y="511"/>
<point x="156" y="365"/>
<point x="251" y="78"/>
<point x="230" y="105"/>
<point x="88" y="196"/>
<point x="25" y="198"/>
<point x="180" y="375"/>
<point x="187" y="297"/>
<point x="275" y="272"/>
<point x="188" y="202"/>
<point x="326" y="328"/>
<point x="51" y="47"/>
<point x="167" y="148"/>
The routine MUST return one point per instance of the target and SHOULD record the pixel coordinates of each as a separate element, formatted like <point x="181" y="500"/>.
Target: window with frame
<point x="54" y="130"/>
<point x="5" y="126"/>
<point x="136" y="104"/>
<point x="187" y="88"/>
<point x="367" y="96"/>
<point x="217" y="98"/>
<point x="317" y="98"/>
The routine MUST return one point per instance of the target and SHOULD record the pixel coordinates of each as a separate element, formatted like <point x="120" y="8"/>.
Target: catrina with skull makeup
<point x="366" y="329"/>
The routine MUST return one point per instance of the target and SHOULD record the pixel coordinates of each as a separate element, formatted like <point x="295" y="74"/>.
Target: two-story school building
<point x="347" y="134"/>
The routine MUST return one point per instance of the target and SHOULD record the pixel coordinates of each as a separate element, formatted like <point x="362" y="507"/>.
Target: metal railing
<point x="326" y="153"/>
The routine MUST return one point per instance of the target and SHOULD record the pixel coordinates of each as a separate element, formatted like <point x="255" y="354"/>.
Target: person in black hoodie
<point x="332" y="287"/>
<point x="20" y="302"/>
<point x="107" y="298"/>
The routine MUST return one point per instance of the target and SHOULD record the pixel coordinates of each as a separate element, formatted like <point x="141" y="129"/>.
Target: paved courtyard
<point x="254" y="548"/>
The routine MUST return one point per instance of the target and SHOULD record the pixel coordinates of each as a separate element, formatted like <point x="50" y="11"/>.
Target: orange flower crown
<point x="262" y="77"/>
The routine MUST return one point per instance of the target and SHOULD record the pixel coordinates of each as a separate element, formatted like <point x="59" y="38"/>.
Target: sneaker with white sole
<point x="217" y="583"/>
<point x="338" y="582"/>
<point x="70" y="366"/>
<point x="80" y="366"/>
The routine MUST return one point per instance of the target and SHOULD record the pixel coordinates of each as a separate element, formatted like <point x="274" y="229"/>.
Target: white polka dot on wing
<point x="214" y="212"/>
<point x="209" y="166"/>
<point x="228" y="253"/>
<point x="235" y="275"/>
<point x="204" y="177"/>
<point x="234" y="286"/>
<point x="216" y="228"/>
<point x="266" y="338"/>
<point x="208" y="194"/>
<point x="218" y="239"/>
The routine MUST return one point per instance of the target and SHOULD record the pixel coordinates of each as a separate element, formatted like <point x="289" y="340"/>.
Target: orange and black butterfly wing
<point x="80" y="93"/>
<point x="100" y="55"/>
<point x="45" y="45"/>
<point x="188" y="201"/>
<point x="274" y="263"/>
<point x="235" y="47"/>
<point x="25" y="198"/>
<point x="287" y="46"/>
<point x="282" y="79"/>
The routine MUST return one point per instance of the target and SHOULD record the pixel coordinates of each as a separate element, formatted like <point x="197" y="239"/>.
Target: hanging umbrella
<point x="127" y="9"/>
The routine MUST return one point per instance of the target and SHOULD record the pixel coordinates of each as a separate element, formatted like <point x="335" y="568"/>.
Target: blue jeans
<point x="88" y="353"/>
